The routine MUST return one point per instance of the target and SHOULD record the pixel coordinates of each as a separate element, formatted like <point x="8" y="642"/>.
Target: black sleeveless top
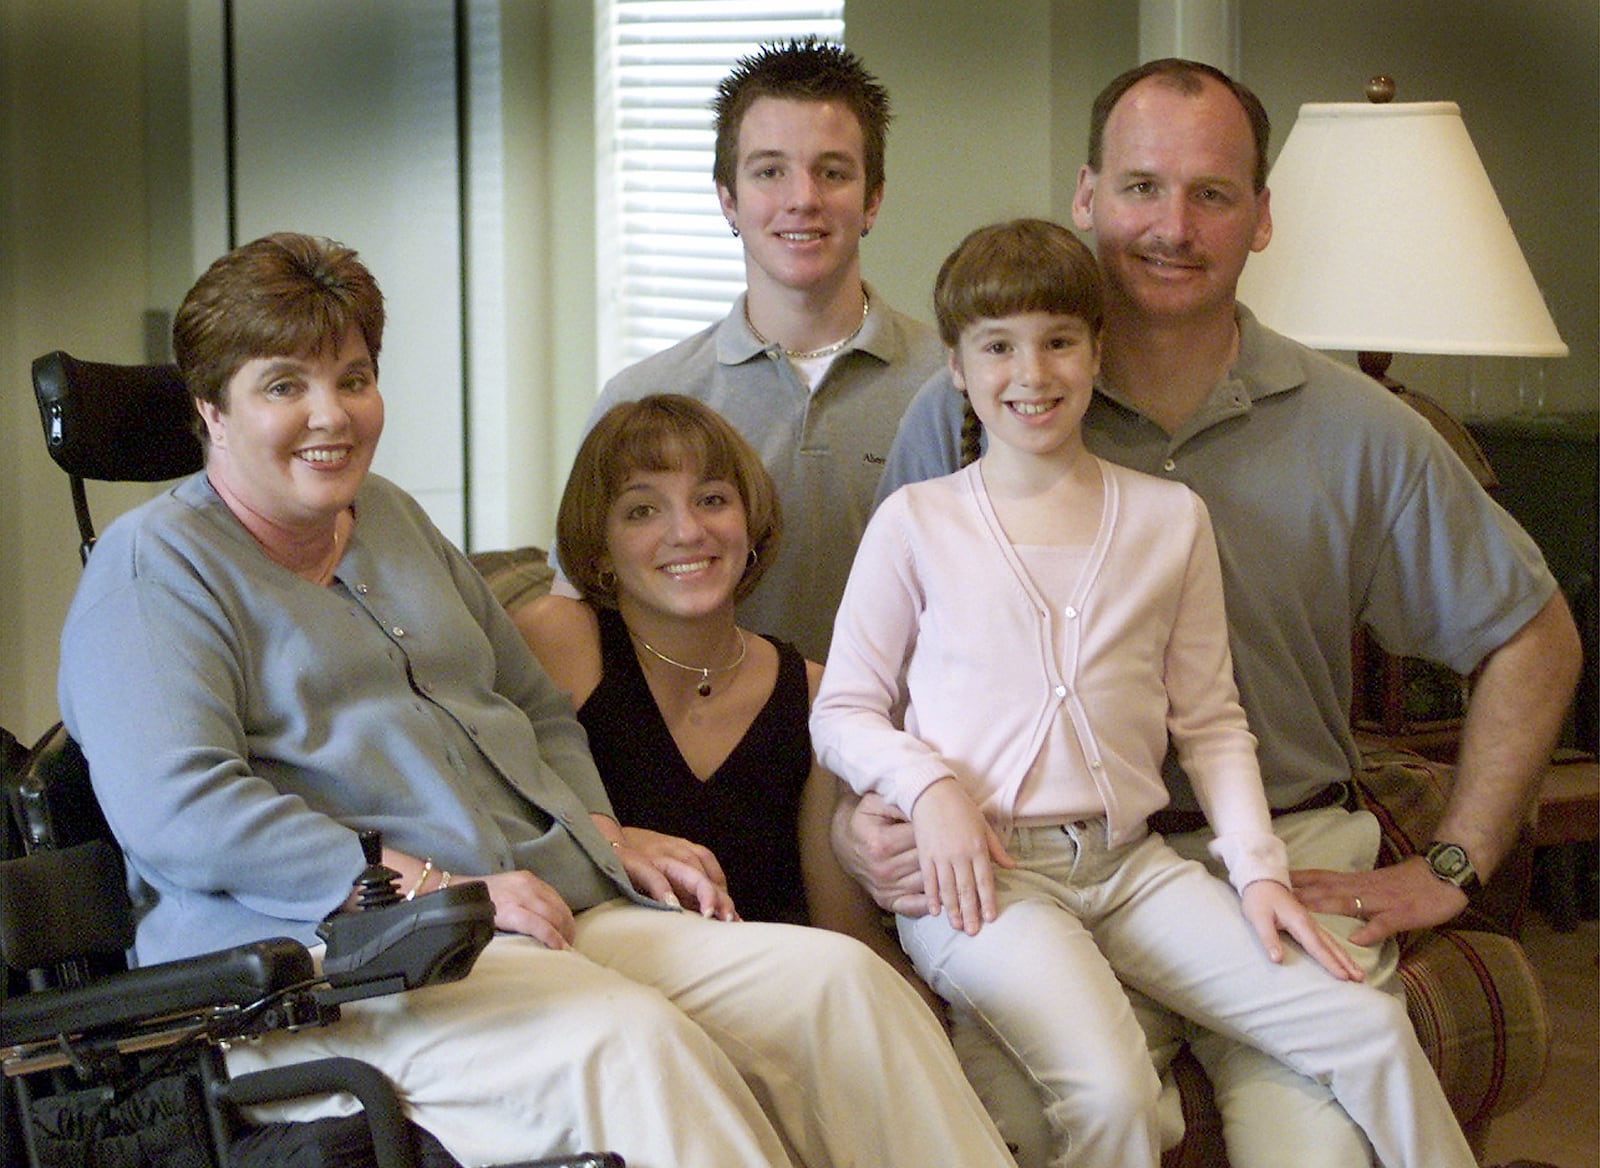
<point x="747" y="812"/>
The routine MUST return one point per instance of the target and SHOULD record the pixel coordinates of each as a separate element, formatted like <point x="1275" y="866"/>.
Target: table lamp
<point x="1388" y="237"/>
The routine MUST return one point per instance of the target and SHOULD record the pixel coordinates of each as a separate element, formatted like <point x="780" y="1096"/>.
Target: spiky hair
<point x="809" y="69"/>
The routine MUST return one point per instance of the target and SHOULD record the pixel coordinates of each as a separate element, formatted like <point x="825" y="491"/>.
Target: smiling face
<point x="1029" y="377"/>
<point x="677" y="541"/>
<point x="800" y="202"/>
<point x="1173" y="206"/>
<point x="294" y="437"/>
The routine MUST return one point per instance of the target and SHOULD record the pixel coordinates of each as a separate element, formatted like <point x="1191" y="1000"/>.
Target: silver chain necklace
<point x="812" y="354"/>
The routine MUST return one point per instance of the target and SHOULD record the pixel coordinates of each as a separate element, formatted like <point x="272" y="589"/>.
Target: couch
<point x="1470" y="991"/>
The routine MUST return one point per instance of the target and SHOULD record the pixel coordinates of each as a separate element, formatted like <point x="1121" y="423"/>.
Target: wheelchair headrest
<point x="116" y="423"/>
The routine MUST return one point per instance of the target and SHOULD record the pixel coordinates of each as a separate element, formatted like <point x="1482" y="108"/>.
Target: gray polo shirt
<point x="1334" y="504"/>
<point x="825" y="448"/>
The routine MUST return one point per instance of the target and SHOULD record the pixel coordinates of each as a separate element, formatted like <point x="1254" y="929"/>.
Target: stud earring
<point x="733" y="229"/>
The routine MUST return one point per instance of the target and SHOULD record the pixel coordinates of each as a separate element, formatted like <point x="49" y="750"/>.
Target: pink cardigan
<point x="940" y="618"/>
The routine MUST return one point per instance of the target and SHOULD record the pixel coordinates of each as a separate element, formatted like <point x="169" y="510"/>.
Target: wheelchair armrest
<point x="236" y="978"/>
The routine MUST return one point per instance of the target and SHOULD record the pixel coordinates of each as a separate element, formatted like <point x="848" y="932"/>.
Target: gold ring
<point x="1358" y="906"/>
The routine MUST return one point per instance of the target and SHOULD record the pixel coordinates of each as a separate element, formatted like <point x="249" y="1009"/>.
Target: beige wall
<point x="992" y="111"/>
<point x="72" y="275"/>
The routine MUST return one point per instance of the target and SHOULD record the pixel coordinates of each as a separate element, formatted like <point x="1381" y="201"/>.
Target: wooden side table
<point x="1567" y="833"/>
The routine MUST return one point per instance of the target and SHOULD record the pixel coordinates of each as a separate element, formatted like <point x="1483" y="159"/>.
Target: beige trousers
<point x="676" y="1041"/>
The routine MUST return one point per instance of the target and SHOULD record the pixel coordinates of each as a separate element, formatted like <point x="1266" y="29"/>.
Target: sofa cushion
<point x="515" y="576"/>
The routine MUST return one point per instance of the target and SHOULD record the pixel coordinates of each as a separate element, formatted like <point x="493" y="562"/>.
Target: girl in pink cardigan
<point x="1016" y="646"/>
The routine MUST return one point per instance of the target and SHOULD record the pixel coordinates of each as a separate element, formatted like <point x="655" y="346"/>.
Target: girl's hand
<point x="525" y="904"/>
<point x="1271" y="908"/>
<point x="957" y="849"/>
<point x="676" y="871"/>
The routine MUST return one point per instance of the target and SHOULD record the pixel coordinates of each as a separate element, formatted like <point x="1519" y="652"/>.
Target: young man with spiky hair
<point x="811" y="366"/>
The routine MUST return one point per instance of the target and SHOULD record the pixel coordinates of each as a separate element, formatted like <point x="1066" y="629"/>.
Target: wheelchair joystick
<point x="388" y="943"/>
<point x="378" y="884"/>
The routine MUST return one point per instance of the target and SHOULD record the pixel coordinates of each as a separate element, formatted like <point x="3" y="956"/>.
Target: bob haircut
<point x="1023" y="265"/>
<point x="284" y="295"/>
<point x="661" y="432"/>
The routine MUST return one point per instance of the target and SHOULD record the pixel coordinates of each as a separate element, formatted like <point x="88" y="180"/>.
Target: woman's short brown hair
<point x="281" y="295"/>
<point x="1024" y="265"/>
<point x="664" y="431"/>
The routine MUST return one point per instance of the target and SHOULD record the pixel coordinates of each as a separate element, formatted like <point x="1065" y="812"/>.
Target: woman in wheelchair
<point x="282" y="651"/>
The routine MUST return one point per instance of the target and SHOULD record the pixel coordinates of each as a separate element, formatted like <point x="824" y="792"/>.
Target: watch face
<point x="1449" y="861"/>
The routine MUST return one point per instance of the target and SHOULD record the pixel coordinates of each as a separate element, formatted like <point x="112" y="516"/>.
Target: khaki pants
<point x="676" y="1041"/>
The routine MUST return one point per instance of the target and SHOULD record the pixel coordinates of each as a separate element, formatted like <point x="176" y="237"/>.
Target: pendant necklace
<point x="703" y="686"/>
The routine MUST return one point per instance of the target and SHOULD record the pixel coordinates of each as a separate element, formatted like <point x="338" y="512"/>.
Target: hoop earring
<point x="606" y="578"/>
<point x="751" y="560"/>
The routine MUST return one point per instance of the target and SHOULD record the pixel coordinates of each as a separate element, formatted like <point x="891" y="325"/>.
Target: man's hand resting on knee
<point x="876" y="846"/>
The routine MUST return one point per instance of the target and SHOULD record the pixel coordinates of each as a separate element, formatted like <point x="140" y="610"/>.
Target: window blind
<point x="668" y="266"/>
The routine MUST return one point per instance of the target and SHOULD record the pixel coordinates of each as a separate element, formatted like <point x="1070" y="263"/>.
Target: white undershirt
<point x="812" y="369"/>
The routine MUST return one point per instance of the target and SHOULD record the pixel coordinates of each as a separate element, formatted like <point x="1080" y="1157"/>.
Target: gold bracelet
<point x="427" y="867"/>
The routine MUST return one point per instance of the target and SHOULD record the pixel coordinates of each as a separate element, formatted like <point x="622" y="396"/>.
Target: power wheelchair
<point x="106" y="1065"/>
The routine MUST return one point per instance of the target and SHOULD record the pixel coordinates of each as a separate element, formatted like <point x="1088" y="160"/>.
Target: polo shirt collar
<point x="737" y="343"/>
<point x="1268" y="364"/>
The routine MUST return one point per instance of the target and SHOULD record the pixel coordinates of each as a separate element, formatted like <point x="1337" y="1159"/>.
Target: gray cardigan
<point x="242" y="724"/>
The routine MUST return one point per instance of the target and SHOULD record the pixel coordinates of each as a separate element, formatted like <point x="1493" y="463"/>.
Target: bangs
<point x="310" y="326"/>
<point x="1028" y="288"/>
<point x="1026" y="265"/>
<point x="665" y="440"/>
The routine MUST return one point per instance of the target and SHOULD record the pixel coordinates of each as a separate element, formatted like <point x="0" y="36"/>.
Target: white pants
<point x="1076" y="916"/>
<point x="676" y="1041"/>
<point x="1265" y="1105"/>
<point x="1263" y="1102"/>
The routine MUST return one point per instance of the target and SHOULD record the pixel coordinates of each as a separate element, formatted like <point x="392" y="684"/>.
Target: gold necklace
<point x="812" y="354"/>
<point x="325" y="573"/>
<point x="703" y="686"/>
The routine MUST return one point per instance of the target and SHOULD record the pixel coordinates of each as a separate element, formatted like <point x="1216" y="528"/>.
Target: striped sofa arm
<point x="1479" y="1015"/>
<point x="1473" y="998"/>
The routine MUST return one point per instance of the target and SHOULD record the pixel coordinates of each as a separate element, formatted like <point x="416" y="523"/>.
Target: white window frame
<point x="667" y="264"/>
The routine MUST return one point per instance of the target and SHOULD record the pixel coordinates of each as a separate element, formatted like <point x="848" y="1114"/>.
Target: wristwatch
<point x="1450" y="864"/>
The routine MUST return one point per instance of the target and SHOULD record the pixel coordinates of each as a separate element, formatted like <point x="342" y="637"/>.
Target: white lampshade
<point x="1388" y="237"/>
